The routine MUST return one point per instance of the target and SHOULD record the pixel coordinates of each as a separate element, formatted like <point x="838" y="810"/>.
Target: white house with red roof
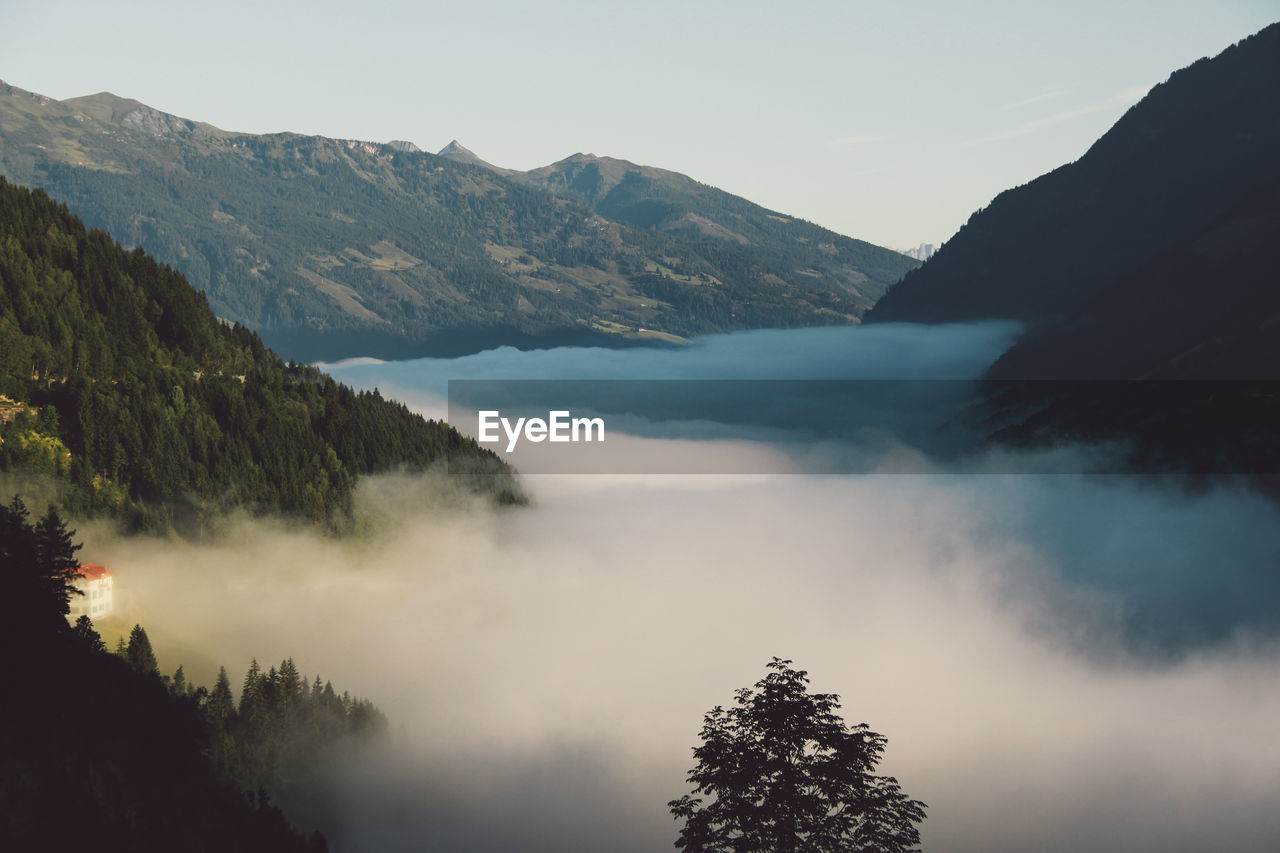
<point x="96" y="582"/>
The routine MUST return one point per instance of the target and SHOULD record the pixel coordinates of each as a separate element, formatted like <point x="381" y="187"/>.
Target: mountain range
<point x="331" y="247"/>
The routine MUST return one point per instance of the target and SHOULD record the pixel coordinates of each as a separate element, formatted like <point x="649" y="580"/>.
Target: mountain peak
<point x="113" y="109"/>
<point x="105" y="106"/>
<point x="456" y="152"/>
<point x="404" y="145"/>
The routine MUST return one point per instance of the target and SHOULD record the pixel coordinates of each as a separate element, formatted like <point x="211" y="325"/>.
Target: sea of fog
<point x="886" y="351"/>
<point x="1059" y="662"/>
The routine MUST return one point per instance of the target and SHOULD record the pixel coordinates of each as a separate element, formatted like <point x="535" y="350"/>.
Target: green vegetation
<point x="332" y="247"/>
<point x="283" y="734"/>
<point x="286" y="734"/>
<point x="119" y="383"/>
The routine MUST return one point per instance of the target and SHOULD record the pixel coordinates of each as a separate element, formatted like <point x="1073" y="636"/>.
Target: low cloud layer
<point x="546" y="670"/>
<point x="1060" y="663"/>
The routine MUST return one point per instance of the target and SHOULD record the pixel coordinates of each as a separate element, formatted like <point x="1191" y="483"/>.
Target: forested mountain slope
<point x="121" y="384"/>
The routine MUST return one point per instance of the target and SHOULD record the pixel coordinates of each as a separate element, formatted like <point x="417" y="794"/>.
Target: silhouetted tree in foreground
<point x="785" y="773"/>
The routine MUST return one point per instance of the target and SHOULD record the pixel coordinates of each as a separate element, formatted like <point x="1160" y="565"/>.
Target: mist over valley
<point x="302" y="549"/>
<point x="545" y="668"/>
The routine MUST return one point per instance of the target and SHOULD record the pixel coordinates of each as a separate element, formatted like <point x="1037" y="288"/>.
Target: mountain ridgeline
<point x="675" y="204"/>
<point x="1152" y="256"/>
<point x="118" y="383"/>
<point x="331" y="247"/>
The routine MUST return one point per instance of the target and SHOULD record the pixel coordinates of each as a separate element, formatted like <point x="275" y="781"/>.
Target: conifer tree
<point x="290" y="685"/>
<point x="17" y="547"/>
<point x="56" y="558"/>
<point x="221" y="708"/>
<point x="270" y="691"/>
<point x="38" y="568"/>
<point x="139" y="655"/>
<point x="178" y="684"/>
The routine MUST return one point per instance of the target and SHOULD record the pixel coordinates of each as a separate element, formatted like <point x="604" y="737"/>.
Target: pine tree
<point x="17" y="545"/>
<point x="38" y="568"/>
<point x="220" y="710"/>
<point x="290" y="686"/>
<point x="178" y="684"/>
<point x="269" y="692"/>
<point x="250" y="692"/>
<point x="220" y="718"/>
<point x="139" y="655"/>
<point x="56" y="559"/>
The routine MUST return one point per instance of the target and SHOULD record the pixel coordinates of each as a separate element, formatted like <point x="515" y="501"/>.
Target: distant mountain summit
<point x="339" y="247"/>
<point x="923" y="252"/>
<point x="593" y="178"/>
<point x="661" y="200"/>
<point x="1150" y="256"/>
<point x="457" y="153"/>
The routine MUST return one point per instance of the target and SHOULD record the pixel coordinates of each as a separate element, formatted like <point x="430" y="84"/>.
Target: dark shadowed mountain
<point x="336" y="247"/>
<point x="1205" y="309"/>
<point x="1150" y="256"/>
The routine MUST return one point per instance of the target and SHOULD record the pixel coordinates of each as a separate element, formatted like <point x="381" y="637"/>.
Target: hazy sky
<point x="887" y="121"/>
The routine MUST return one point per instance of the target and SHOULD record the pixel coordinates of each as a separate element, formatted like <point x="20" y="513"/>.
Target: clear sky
<point x="890" y="121"/>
